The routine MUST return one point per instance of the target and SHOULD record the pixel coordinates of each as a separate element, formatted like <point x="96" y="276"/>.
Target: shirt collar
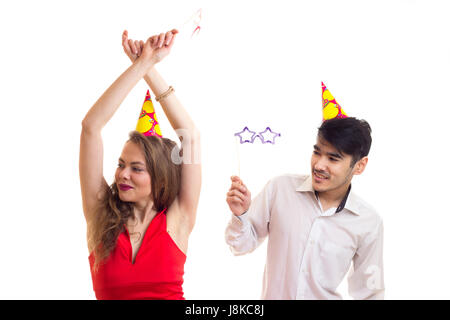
<point x="349" y="202"/>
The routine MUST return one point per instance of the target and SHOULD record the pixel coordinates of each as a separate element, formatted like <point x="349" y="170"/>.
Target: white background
<point x="255" y="64"/>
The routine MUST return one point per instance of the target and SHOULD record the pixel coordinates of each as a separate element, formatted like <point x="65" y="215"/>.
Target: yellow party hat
<point x="148" y="123"/>
<point x="330" y="108"/>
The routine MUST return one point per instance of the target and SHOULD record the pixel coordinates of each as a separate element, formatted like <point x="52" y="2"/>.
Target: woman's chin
<point x="125" y="197"/>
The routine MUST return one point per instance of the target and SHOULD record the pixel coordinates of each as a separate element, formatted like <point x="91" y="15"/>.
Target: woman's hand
<point x="154" y="49"/>
<point x="132" y="48"/>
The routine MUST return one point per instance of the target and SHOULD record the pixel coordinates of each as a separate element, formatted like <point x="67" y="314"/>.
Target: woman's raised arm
<point x="180" y="121"/>
<point x="91" y="146"/>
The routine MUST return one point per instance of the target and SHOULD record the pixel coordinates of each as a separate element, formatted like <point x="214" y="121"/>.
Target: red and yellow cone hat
<point x="148" y="123"/>
<point x="330" y="108"/>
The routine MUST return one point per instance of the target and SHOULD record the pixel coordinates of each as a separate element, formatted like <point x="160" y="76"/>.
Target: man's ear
<point x="360" y="166"/>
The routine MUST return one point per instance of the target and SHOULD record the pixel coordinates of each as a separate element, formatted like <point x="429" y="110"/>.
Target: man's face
<point x="330" y="169"/>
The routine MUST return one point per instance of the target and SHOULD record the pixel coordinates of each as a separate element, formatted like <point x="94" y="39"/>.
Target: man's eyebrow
<point x="331" y="154"/>
<point x="335" y="155"/>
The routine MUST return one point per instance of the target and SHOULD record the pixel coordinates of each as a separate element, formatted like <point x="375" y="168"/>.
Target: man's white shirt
<point x="310" y="251"/>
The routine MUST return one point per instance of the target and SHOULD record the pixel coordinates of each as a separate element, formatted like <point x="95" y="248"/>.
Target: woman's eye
<point x="120" y="165"/>
<point x="137" y="169"/>
<point x="316" y="153"/>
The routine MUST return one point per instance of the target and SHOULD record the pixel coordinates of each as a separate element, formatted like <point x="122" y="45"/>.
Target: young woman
<point x="138" y="227"/>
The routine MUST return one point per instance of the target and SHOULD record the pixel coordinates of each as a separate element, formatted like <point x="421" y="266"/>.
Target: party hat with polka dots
<point x="330" y="108"/>
<point x="148" y="123"/>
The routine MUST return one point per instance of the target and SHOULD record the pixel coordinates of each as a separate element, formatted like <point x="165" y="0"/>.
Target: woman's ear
<point x="360" y="166"/>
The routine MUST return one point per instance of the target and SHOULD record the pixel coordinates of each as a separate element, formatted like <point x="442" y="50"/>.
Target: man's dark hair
<point x="349" y="135"/>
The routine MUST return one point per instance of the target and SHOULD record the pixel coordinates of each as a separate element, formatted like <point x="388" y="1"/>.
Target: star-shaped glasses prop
<point x="266" y="136"/>
<point x="246" y="135"/>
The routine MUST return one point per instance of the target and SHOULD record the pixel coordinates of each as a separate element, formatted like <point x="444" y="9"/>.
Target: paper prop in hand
<point x="192" y="25"/>
<point x="330" y="108"/>
<point x="148" y="123"/>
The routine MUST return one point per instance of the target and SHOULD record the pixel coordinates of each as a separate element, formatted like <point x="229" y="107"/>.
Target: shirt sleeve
<point x="366" y="280"/>
<point x="246" y="232"/>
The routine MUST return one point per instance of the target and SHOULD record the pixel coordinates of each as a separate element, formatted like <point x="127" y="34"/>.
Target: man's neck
<point x="333" y="198"/>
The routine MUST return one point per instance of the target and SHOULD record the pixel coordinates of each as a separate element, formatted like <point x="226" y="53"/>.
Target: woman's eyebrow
<point x="134" y="162"/>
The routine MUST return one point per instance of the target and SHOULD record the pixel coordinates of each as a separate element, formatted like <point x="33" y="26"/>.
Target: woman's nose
<point x="124" y="174"/>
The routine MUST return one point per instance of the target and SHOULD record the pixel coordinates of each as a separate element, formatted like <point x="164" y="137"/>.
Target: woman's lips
<point x="125" y="187"/>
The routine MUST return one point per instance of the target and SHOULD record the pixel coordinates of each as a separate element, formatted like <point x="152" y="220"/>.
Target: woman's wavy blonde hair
<point x="112" y="213"/>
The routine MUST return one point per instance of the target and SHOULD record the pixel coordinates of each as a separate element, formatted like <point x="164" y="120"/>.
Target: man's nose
<point x="321" y="164"/>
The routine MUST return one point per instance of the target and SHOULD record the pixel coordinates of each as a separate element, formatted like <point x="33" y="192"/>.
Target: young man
<point x="316" y="224"/>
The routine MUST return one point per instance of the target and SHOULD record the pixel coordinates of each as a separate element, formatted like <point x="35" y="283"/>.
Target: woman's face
<point x="132" y="177"/>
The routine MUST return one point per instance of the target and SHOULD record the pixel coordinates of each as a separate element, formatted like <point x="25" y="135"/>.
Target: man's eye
<point x="120" y="165"/>
<point x="316" y="153"/>
<point x="333" y="159"/>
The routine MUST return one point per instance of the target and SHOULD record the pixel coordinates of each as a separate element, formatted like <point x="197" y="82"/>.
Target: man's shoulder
<point x="365" y="209"/>
<point x="370" y="219"/>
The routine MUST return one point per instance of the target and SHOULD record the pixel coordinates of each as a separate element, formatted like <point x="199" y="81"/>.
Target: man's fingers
<point x="238" y="186"/>
<point x="234" y="199"/>
<point x="236" y="193"/>
<point x="237" y="179"/>
<point x="237" y="200"/>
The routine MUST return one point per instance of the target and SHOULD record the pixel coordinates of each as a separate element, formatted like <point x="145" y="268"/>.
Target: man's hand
<point x="238" y="197"/>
